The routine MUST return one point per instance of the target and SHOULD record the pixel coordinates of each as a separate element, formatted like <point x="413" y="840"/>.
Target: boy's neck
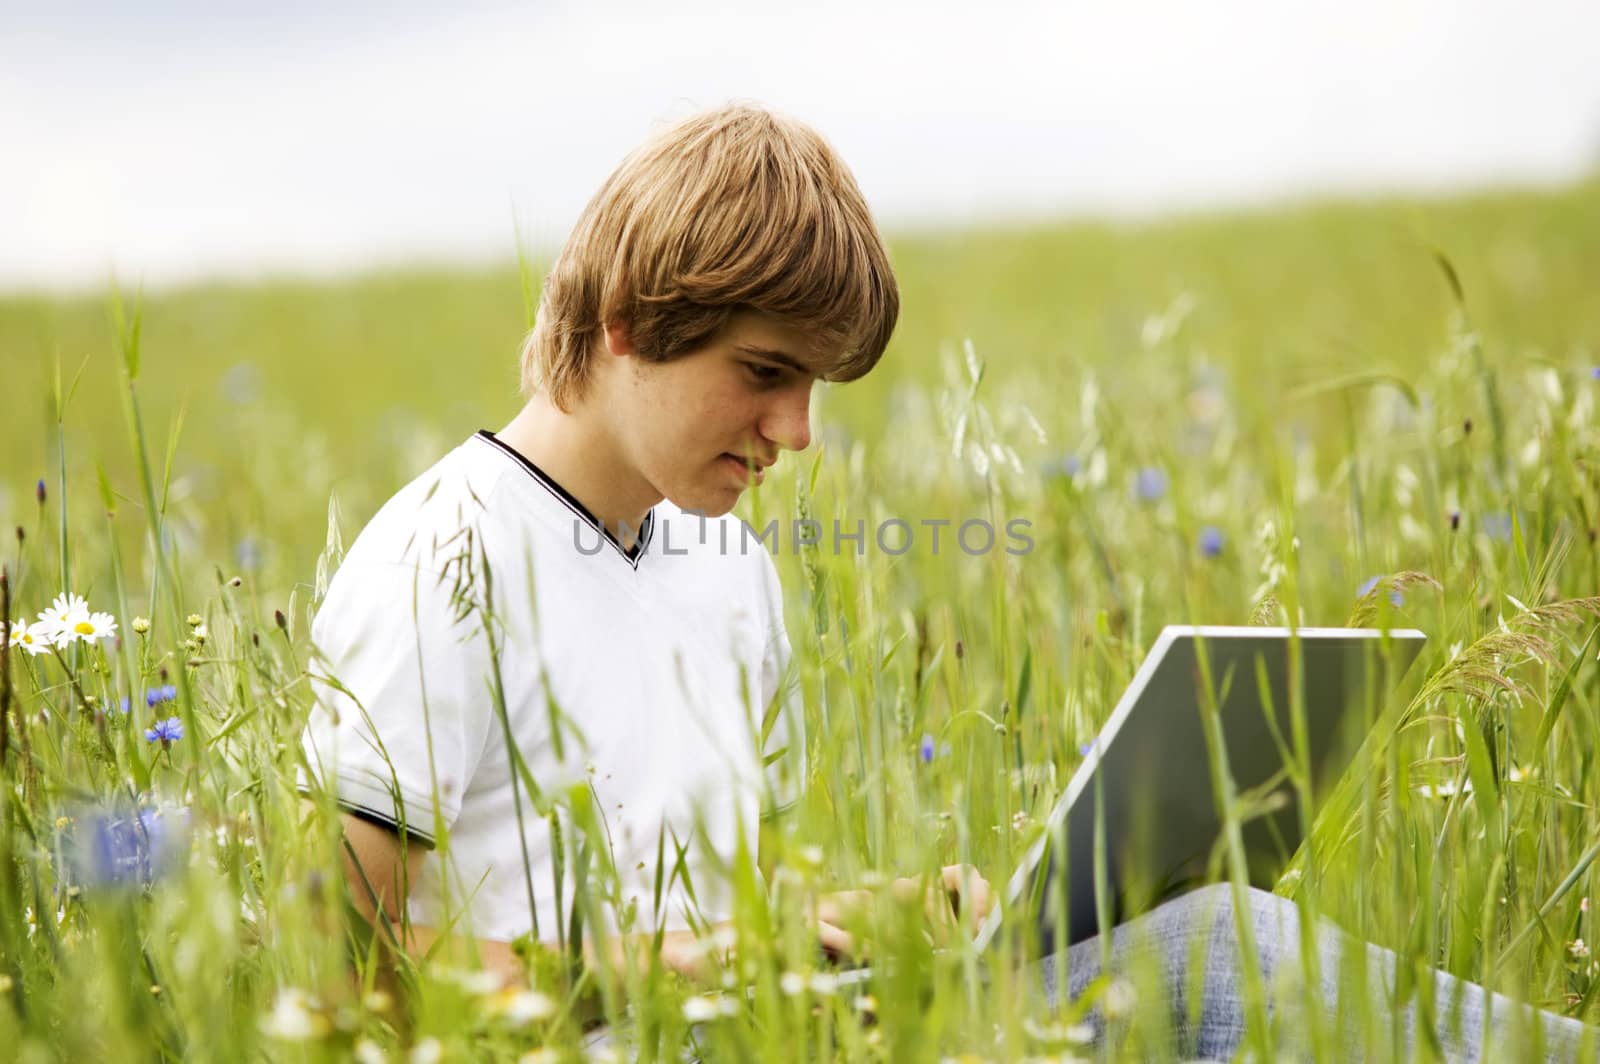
<point x="576" y="452"/>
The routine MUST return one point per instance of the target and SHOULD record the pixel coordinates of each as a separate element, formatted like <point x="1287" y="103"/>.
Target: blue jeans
<point x="1191" y="945"/>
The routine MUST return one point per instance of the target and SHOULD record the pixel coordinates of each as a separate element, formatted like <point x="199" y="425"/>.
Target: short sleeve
<point x="783" y="735"/>
<point x="403" y="703"/>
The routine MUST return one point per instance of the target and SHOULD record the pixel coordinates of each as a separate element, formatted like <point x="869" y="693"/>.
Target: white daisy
<point x="33" y="640"/>
<point x="100" y="625"/>
<point x="69" y="620"/>
<point x="293" y="1018"/>
<point x="522" y="1007"/>
<point x="62" y="616"/>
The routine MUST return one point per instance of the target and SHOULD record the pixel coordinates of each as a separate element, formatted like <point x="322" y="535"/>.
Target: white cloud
<point x="187" y="142"/>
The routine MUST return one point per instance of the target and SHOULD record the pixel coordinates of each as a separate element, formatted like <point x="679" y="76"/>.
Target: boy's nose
<point x="788" y="421"/>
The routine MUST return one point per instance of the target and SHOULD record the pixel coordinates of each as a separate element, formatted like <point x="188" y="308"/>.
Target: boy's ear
<point x="618" y="342"/>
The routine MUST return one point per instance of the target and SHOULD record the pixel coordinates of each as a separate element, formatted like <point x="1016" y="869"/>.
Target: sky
<point x="162" y="142"/>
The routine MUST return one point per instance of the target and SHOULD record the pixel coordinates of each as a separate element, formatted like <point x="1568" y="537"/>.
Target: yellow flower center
<point x="83" y="628"/>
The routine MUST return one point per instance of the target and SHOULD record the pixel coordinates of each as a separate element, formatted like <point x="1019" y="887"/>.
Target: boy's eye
<point x="764" y="374"/>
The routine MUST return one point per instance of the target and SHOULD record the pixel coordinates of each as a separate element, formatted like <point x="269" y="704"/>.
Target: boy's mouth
<point x="747" y="468"/>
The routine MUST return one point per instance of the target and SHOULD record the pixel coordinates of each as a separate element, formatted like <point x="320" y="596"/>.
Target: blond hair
<point x="732" y="209"/>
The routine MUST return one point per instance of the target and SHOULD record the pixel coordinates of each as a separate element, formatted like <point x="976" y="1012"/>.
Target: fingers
<point x="907" y="890"/>
<point x="836" y="942"/>
<point x="838" y="907"/>
<point x="965" y="886"/>
<point x="959" y="887"/>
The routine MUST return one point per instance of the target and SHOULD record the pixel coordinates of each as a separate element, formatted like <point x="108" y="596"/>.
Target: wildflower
<point x="478" y="982"/>
<point x="157" y="695"/>
<point x="1595" y="373"/>
<point x="824" y="983"/>
<point x="34" y="640"/>
<point x="292" y="1018"/>
<point x="1395" y="597"/>
<point x="141" y="625"/>
<point x="166" y="732"/>
<point x="1063" y="468"/>
<point x="200" y="634"/>
<point x="700" y="1008"/>
<point x="521" y="1007"/>
<point x="1056" y="1033"/>
<point x="1120" y="998"/>
<point x="69" y="619"/>
<point x="540" y="1056"/>
<point x="1150" y="484"/>
<point x="791" y="983"/>
<point x="194" y="620"/>
<point x="247" y="554"/>
<point x="1497" y="526"/>
<point x="112" y="850"/>
<point x="38" y="491"/>
<point x="1578" y="950"/>
<point x="100" y="625"/>
<point x="241" y="383"/>
<point x="61" y="616"/>
<point x="367" y="1051"/>
<point x="1210" y="541"/>
<point x="427" y="1051"/>
<point x="926" y="750"/>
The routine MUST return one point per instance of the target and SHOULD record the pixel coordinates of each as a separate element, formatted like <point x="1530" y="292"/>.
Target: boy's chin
<point x="707" y="505"/>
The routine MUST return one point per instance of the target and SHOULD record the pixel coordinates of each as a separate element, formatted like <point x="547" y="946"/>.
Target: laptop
<point x="1146" y="786"/>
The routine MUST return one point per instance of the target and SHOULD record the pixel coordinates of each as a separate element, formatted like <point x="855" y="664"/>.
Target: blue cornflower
<point x="1595" y="373"/>
<point x="1150" y="484"/>
<point x="1395" y="598"/>
<point x="247" y="553"/>
<point x="926" y="749"/>
<point x="166" y="732"/>
<point x="157" y="695"/>
<point x="1084" y="749"/>
<point x="112" y="849"/>
<point x="1063" y="468"/>
<point x="124" y="705"/>
<point x="242" y="383"/>
<point x="1211" y="541"/>
<point x="38" y="491"/>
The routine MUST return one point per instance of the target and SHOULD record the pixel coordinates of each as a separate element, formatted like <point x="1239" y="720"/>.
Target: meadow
<point x="1379" y="411"/>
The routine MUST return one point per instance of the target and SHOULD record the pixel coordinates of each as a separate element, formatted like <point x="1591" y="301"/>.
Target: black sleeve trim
<point x="383" y="820"/>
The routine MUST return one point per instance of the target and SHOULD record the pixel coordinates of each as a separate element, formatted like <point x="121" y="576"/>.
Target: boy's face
<point x="689" y="426"/>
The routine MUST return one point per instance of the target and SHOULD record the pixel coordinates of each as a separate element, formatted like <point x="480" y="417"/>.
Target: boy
<point x="569" y="592"/>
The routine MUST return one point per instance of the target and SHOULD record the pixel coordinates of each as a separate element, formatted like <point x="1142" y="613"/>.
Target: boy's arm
<point x="379" y="869"/>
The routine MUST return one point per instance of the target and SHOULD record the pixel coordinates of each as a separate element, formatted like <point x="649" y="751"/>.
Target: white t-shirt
<point x="643" y="679"/>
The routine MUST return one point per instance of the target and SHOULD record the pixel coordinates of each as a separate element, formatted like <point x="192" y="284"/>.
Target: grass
<point x="1307" y="383"/>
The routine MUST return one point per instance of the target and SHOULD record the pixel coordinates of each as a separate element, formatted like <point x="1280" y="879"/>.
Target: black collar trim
<point x="646" y="533"/>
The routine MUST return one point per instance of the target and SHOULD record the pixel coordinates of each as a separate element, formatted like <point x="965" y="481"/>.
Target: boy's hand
<point x="696" y="957"/>
<point x="960" y="887"/>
